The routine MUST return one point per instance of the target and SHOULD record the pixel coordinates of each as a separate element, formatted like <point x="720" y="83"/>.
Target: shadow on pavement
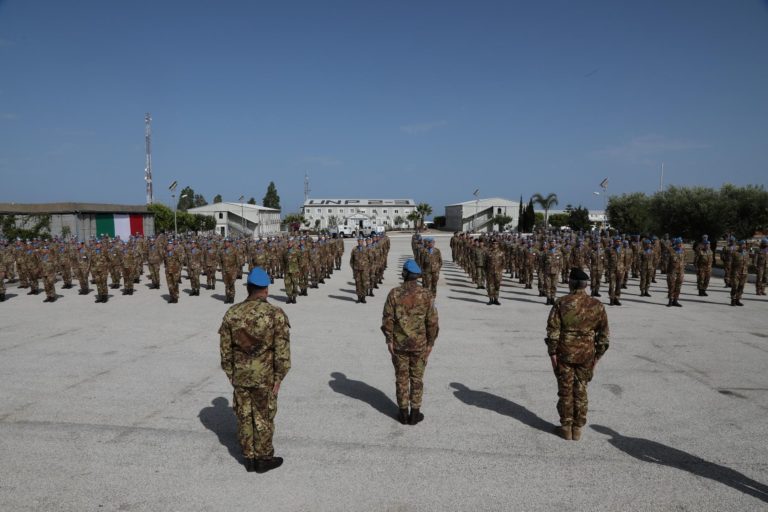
<point x="502" y="406"/>
<point x="468" y="300"/>
<point x="218" y="296"/>
<point x="359" y="390"/>
<point x="657" y="453"/>
<point x="343" y="297"/>
<point x="220" y="419"/>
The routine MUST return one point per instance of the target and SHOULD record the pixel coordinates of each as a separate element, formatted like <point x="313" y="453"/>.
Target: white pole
<point x="661" y="180"/>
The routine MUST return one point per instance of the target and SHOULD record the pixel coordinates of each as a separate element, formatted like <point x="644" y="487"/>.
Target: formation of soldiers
<point x="303" y="262"/>
<point x="610" y="260"/>
<point x="368" y="261"/>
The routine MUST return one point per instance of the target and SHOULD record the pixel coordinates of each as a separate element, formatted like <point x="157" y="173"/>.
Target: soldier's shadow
<point x="220" y="419"/>
<point x="656" y="453"/>
<point x="502" y="406"/>
<point x="359" y="390"/>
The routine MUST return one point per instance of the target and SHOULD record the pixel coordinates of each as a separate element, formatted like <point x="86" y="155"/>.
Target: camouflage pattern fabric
<point x="99" y="270"/>
<point x="739" y="272"/>
<point x="409" y="378"/>
<point x="675" y="272"/>
<point x="703" y="261"/>
<point x="577" y="333"/>
<point x="494" y="266"/>
<point x="359" y="262"/>
<point x="255" y="355"/>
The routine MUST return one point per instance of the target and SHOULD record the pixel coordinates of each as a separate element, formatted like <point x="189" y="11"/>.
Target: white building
<point x="358" y="213"/>
<point x="241" y="218"/>
<point x="478" y="215"/>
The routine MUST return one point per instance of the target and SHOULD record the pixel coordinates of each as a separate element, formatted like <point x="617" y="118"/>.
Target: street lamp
<point x="477" y="205"/>
<point x="605" y="207"/>
<point x="242" y="214"/>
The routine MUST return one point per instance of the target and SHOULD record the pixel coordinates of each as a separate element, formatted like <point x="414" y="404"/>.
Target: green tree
<point x="200" y="201"/>
<point x="439" y="221"/>
<point x="423" y="210"/>
<point x="558" y="220"/>
<point x="501" y="221"/>
<point x="252" y="200"/>
<point x="745" y="209"/>
<point x="689" y="212"/>
<point x="271" y="199"/>
<point x="414" y="217"/>
<point x="578" y="219"/>
<point x="26" y="227"/>
<point x="294" y="221"/>
<point x="163" y="217"/>
<point x="399" y="220"/>
<point x="186" y="199"/>
<point x="333" y="221"/>
<point x="520" y="212"/>
<point x="546" y="203"/>
<point x="217" y="198"/>
<point x="631" y="213"/>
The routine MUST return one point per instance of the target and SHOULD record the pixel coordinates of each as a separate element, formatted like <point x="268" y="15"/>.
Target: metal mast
<point x="306" y="187"/>
<point x="148" y="167"/>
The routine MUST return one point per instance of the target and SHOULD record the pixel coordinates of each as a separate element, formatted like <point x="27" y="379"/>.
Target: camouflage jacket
<point x="494" y="262"/>
<point x="410" y="320"/>
<point x="358" y="260"/>
<point x="577" y="329"/>
<point x="433" y="260"/>
<point x="255" y="344"/>
<point x="739" y="264"/>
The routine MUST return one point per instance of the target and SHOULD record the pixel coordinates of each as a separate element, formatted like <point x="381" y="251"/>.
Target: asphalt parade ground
<point x="123" y="406"/>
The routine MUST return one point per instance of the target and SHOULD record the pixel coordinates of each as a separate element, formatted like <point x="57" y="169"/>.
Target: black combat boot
<point x="490" y="302"/>
<point x="250" y="465"/>
<point x="268" y="464"/>
<point x="104" y="298"/>
<point x="669" y="304"/>
<point x="416" y="417"/>
<point x="2" y="297"/>
<point x="617" y="302"/>
<point x="738" y="303"/>
<point x="496" y="301"/>
<point x="704" y="293"/>
<point x="597" y="294"/>
<point x="402" y="416"/>
<point x="676" y="304"/>
<point x="362" y="299"/>
<point x="733" y="302"/>
<point x="31" y="292"/>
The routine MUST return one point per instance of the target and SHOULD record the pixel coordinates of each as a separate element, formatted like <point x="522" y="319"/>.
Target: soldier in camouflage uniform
<point x="739" y="272"/>
<point x="433" y="262"/>
<point x="99" y="265"/>
<point x="761" y="257"/>
<point x="359" y="262"/>
<point x="2" y="279"/>
<point x="614" y="264"/>
<point x="703" y="262"/>
<point x="494" y="268"/>
<point x="194" y="267"/>
<point x="256" y="356"/>
<point x="675" y="272"/>
<point x="647" y="260"/>
<point x="596" y="266"/>
<point x="478" y="263"/>
<point x="211" y="259"/>
<point x="553" y="263"/>
<point x="291" y="271"/>
<point x="725" y="256"/>
<point x="230" y="259"/>
<point x="154" y="259"/>
<point x="577" y="337"/>
<point x="172" y="260"/>
<point x="81" y="262"/>
<point x="410" y="327"/>
<point x="128" y="258"/>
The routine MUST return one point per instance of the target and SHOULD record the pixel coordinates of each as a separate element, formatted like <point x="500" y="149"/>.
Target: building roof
<point x="359" y="202"/>
<point x="491" y="201"/>
<point x="232" y="207"/>
<point x="63" y="208"/>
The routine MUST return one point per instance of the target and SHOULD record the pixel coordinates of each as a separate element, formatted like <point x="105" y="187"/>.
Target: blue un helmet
<point x="412" y="267"/>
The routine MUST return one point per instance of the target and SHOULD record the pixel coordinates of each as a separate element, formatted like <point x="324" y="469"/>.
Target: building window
<point x="385" y="212"/>
<point x="330" y="211"/>
<point x="498" y="211"/>
<point x="341" y="210"/>
<point x="319" y="210"/>
<point x="221" y="215"/>
<point x="397" y="211"/>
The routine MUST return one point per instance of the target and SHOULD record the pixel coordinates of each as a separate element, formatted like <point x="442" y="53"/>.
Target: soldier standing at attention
<point x="172" y="260"/>
<point x="614" y="264"/>
<point x="577" y="337"/>
<point x="739" y="272"/>
<point x="48" y="266"/>
<point x="99" y="265"/>
<point x="291" y="269"/>
<point x="230" y="259"/>
<point x="433" y="263"/>
<point x="358" y="262"/>
<point x="410" y="327"/>
<point x="647" y="259"/>
<point x="725" y="256"/>
<point x="675" y="272"/>
<point x="256" y="356"/>
<point x="760" y="263"/>
<point x="494" y="267"/>
<point x="703" y="261"/>
<point x="154" y="259"/>
<point x="478" y="258"/>
<point x="194" y="267"/>
<point x="553" y="263"/>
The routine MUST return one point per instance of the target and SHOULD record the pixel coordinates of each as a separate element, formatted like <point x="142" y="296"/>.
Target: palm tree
<point x="423" y="210"/>
<point x="546" y="203"/>
<point x="414" y="217"/>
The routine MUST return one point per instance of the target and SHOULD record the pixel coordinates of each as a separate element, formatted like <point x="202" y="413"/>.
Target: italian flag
<point x="119" y="224"/>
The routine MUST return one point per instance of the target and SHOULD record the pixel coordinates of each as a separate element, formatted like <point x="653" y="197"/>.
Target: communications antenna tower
<point x="306" y="187"/>
<point x="148" y="166"/>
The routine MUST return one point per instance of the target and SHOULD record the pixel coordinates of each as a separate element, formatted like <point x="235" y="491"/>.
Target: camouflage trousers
<point x="210" y="277"/>
<point x="82" y="278"/>
<point x="760" y="280"/>
<point x="550" y="285"/>
<point x="49" y="284"/>
<point x="727" y="273"/>
<point x="2" y="283"/>
<point x="646" y="276"/>
<point x="480" y="276"/>
<point x="361" y="282"/>
<point x="702" y="278"/>
<point x="615" y="280"/>
<point x="526" y="277"/>
<point x="429" y="281"/>
<point x="66" y="273"/>
<point x="492" y="284"/>
<point x="230" y="275"/>
<point x="114" y="273"/>
<point x="572" y="380"/>
<point x="154" y="273"/>
<point x="172" y="279"/>
<point x="10" y="270"/>
<point x="409" y="378"/>
<point x="337" y="261"/>
<point x="291" y="280"/>
<point x="100" y="278"/>
<point x="594" y="276"/>
<point x="674" y="284"/>
<point x="194" y="277"/>
<point x="737" y="285"/>
<point x="255" y="409"/>
<point x="128" y="273"/>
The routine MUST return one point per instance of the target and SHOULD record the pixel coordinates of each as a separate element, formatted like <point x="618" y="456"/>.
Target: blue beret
<point x="258" y="277"/>
<point x="412" y="267"/>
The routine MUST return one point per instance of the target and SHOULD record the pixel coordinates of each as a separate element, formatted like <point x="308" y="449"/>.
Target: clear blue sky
<point x="412" y="99"/>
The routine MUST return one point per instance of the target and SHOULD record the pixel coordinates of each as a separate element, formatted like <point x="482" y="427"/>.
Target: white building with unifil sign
<point x="360" y="214"/>
<point x="241" y="219"/>
<point x="478" y="215"/>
